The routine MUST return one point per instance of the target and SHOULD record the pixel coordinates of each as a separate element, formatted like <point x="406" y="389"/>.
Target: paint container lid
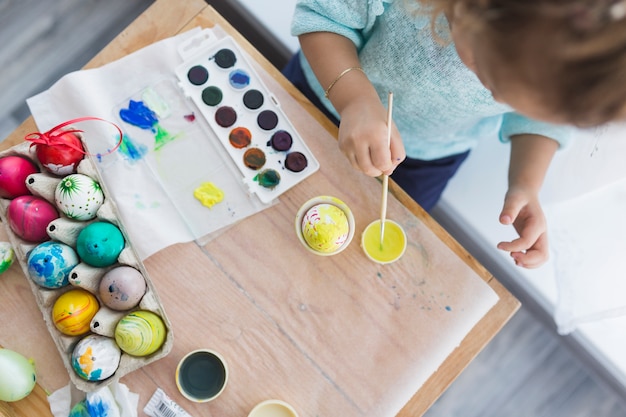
<point x="273" y="408"/>
<point x="392" y="247"/>
<point x="309" y="219"/>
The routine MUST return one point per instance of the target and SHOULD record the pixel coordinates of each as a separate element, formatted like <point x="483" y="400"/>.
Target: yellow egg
<point x="140" y="333"/>
<point x="72" y="312"/>
<point x="325" y="227"/>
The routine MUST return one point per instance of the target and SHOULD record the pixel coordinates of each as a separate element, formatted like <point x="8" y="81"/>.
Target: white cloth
<point x="126" y="402"/>
<point x="588" y="240"/>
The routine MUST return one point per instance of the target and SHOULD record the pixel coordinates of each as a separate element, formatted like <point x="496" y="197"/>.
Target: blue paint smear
<point x="98" y="408"/>
<point x="130" y="150"/>
<point x="138" y="114"/>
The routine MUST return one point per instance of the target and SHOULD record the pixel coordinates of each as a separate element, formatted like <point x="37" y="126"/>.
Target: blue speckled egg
<point x="96" y="357"/>
<point x="50" y="263"/>
<point x="99" y="244"/>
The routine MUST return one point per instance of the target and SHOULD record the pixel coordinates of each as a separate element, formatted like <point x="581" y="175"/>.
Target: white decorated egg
<point x="78" y="197"/>
<point x="96" y="357"/>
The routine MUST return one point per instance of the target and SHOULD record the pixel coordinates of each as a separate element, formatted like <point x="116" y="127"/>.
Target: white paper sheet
<point x="153" y="188"/>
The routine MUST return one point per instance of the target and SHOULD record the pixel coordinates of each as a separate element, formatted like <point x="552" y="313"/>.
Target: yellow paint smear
<point x="208" y="194"/>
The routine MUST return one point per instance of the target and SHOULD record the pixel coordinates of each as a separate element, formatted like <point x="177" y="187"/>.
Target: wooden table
<point x="246" y="309"/>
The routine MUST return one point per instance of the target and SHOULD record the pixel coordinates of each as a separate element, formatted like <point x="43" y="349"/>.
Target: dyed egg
<point x="6" y="256"/>
<point x="140" y="333"/>
<point x="325" y="227"/>
<point x="73" y="310"/>
<point x="50" y="263"/>
<point x="62" y="157"/>
<point x="96" y="357"/>
<point x="99" y="244"/>
<point x="13" y="173"/>
<point x="29" y="216"/>
<point x="17" y="376"/>
<point x="121" y="288"/>
<point x="79" y="197"/>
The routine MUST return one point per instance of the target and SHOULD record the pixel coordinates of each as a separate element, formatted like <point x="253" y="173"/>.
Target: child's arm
<point x="530" y="158"/>
<point x="362" y="129"/>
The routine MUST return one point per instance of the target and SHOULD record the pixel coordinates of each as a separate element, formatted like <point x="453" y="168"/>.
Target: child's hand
<point x="363" y="138"/>
<point x="523" y="210"/>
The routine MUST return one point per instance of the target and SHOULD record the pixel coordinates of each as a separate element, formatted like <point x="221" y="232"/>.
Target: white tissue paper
<point x="113" y="400"/>
<point x="588" y="240"/>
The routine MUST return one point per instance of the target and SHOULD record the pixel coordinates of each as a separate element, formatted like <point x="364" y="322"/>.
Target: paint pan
<point x="247" y="119"/>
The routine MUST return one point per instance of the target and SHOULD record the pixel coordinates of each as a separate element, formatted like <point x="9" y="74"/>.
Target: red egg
<point x="13" y="172"/>
<point x="61" y="158"/>
<point x="29" y="216"/>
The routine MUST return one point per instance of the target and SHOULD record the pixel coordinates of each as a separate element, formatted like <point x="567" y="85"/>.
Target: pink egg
<point x="13" y="173"/>
<point x="29" y="216"/>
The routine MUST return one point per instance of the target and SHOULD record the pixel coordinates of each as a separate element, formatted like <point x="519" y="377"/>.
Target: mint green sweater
<point x="440" y="106"/>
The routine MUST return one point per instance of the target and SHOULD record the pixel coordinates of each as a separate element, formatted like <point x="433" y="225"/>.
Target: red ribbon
<point x="53" y="137"/>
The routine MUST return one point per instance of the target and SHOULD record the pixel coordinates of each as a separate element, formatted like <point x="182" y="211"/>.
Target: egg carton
<point x="66" y="230"/>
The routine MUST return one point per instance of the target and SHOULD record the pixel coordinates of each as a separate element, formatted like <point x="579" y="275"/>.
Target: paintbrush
<point x="383" y="205"/>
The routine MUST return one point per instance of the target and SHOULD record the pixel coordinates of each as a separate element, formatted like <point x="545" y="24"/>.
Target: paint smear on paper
<point x="130" y="150"/>
<point x="153" y="101"/>
<point x="140" y="115"/>
<point x="208" y="194"/>
<point x="141" y="204"/>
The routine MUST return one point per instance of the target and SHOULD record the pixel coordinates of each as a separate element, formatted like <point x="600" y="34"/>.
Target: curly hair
<point x="574" y="51"/>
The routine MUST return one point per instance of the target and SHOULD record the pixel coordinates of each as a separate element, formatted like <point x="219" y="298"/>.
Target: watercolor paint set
<point x="246" y="118"/>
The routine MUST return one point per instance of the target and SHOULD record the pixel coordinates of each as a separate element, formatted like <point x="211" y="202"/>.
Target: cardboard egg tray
<point x="84" y="276"/>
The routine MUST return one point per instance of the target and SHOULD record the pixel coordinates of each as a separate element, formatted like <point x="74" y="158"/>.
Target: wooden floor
<point x="525" y="371"/>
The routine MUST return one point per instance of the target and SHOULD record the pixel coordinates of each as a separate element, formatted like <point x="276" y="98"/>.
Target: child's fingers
<point x="398" y="153"/>
<point x="380" y="155"/>
<point x="533" y="257"/>
<point x="364" y="162"/>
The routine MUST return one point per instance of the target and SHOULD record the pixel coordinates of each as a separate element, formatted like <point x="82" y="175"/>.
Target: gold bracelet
<point x="344" y="72"/>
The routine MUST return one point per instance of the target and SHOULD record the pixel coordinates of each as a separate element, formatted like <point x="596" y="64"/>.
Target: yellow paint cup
<point x="393" y="244"/>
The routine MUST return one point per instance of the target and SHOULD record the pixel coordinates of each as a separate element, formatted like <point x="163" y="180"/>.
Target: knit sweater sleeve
<point x="516" y="124"/>
<point x="350" y="18"/>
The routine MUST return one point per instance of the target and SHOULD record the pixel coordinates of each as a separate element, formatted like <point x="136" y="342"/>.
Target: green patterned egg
<point x="140" y="333"/>
<point x="79" y="197"/>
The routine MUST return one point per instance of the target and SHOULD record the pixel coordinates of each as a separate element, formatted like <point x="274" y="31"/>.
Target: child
<point x="461" y="70"/>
